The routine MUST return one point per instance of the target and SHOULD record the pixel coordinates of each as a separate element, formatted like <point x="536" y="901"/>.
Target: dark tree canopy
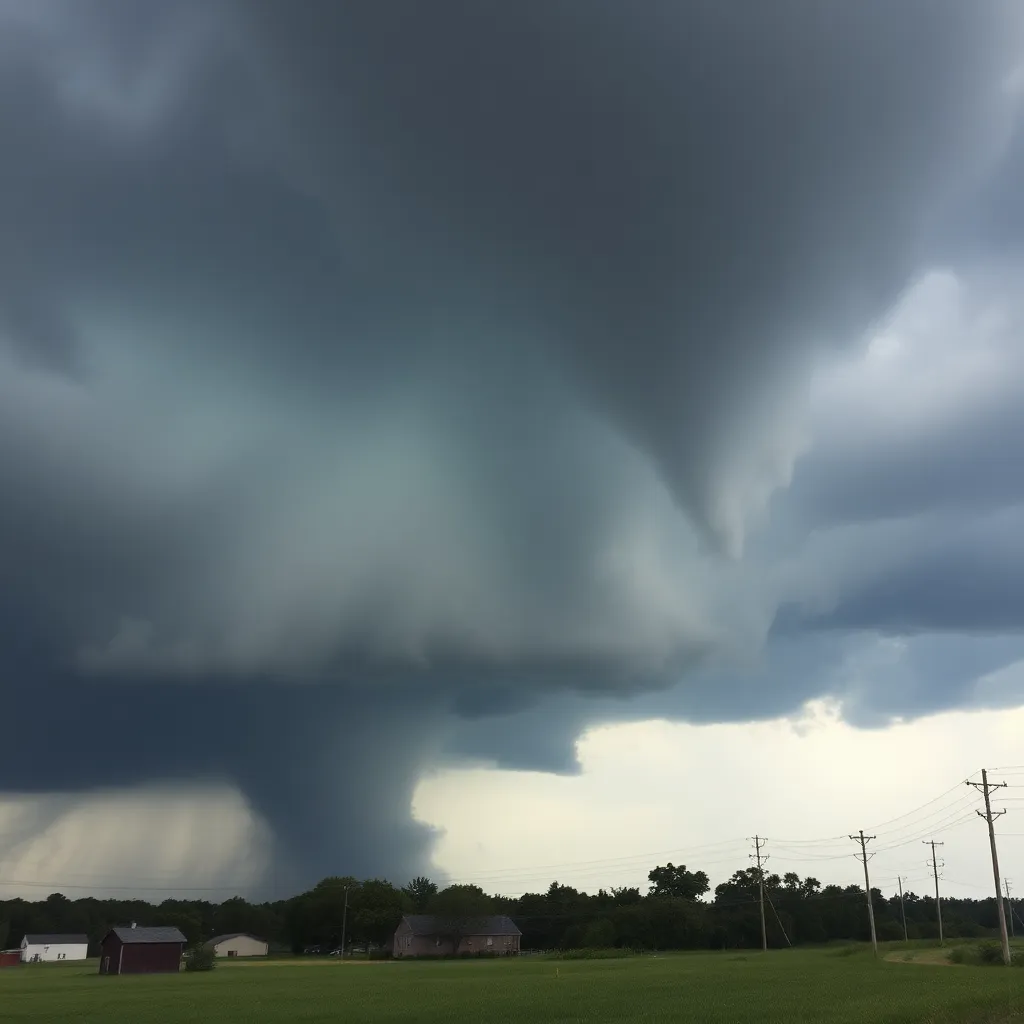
<point x="678" y="883"/>
<point x="420" y="891"/>
<point x="671" y="916"/>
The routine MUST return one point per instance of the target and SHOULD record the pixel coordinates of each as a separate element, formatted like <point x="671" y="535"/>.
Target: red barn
<point x="10" y="957"/>
<point x="132" y="950"/>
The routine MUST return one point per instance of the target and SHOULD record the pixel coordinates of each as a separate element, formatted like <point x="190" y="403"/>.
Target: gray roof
<point x="217" y="939"/>
<point x="160" y="934"/>
<point x="438" y="924"/>
<point x="55" y="940"/>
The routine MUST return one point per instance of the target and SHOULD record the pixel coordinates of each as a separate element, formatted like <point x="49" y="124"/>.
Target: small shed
<point x="133" y="950"/>
<point x="440" y="935"/>
<point x="238" y="944"/>
<point x="10" y="957"/>
<point x="45" y="948"/>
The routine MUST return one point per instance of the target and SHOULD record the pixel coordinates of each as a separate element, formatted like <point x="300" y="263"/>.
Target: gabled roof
<point x="56" y="940"/>
<point x="438" y="924"/>
<point x="135" y="935"/>
<point x="218" y="939"/>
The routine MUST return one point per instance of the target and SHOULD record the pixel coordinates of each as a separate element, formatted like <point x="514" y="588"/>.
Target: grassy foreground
<point x="784" y="987"/>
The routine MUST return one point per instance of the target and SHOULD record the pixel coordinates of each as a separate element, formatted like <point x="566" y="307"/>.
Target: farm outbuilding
<point x="39" y="948"/>
<point x="430" y="935"/>
<point x="238" y="944"/>
<point x="133" y="950"/>
<point x="10" y="957"/>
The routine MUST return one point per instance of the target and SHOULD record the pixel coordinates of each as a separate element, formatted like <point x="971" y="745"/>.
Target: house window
<point x="490" y="941"/>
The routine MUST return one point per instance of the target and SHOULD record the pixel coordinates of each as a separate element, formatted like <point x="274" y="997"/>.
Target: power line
<point x="954" y="821"/>
<point x="602" y="862"/>
<point x="128" y="888"/>
<point x="881" y="825"/>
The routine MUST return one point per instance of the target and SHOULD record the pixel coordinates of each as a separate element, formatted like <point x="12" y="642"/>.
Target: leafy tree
<point x="626" y="896"/>
<point x="420" y="891"/>
<point x="457" y="907"/>
<point x="188" y="924"/>
<point x="318" y="918"/>
<point x="633" y="926"/>
<point x="600" y="934"/>
<point x="677" y="882"/>
<point x="461" y="901"/>
<point x="200" y="958"/>
<point x="564" y="898"/>
<point x="375" y="910"/>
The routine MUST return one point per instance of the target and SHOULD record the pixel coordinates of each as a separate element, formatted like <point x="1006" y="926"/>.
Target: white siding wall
<point x="243" y="945"/>
<point x="63" y="951"/>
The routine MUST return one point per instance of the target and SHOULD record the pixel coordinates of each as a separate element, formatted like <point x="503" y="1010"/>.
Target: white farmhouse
<point x="238" y="944"/>
<point x="44" y="948"/>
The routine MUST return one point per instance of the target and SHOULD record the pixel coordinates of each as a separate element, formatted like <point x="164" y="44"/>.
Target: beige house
<point x="238" y="944"/>
<point x="431" y="935"/>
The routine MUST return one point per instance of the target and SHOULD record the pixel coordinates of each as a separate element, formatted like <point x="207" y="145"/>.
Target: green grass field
<point x="838" y="985"/>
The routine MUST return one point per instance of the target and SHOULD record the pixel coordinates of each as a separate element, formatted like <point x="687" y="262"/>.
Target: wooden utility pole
<point x="759" y="842"/>
<point x="864" y="840"/>
<point x="986" y="788"/>
<point x="1009" y="905"/>
<point x="344" y="922"/>
<point x="903" y="913"/>
<point x="934" y="865"/>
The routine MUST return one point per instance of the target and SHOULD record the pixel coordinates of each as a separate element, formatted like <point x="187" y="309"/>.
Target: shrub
<point x="990" y="953"/>
<point x="983" y="954"/>
<point x="200" y="958"/>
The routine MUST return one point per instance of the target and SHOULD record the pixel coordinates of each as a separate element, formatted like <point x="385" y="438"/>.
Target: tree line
<point x="677" y="911"/>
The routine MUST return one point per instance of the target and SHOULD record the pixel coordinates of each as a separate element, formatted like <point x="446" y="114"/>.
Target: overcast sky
<point x="506" y="440"/>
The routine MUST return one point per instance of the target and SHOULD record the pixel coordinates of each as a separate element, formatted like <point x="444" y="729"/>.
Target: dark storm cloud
<point x="878" y="678"/>
<point x="685" y="200"/>
<point x="311" y="760"/>
<point x="964" y="578"/>
<point x="930" y="418"/>
<point x="419" y="350"/>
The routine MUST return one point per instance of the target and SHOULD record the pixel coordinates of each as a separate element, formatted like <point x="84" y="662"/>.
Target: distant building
<point x="44" y="948"/>
<point x="238" y="944"/>
<point x="10" y="957"/>
<point x="133" y="950"/>
<point x="432" y="935"/>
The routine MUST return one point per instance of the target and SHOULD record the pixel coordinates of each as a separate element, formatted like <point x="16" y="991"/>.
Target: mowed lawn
<point x="784" y="987"/>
